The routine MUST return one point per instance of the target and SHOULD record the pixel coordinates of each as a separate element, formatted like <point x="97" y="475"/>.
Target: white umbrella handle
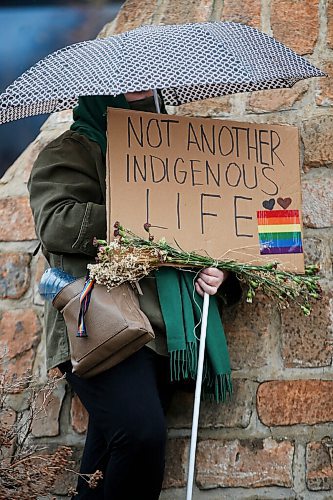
<point x="157" y="103"/>
<point x="196" y="408"/>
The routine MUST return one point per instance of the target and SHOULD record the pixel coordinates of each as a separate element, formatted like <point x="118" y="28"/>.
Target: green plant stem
<point x="284" y="286"/>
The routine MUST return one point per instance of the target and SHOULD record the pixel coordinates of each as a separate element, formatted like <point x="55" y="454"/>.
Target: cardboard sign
<point x="223" y="188"/>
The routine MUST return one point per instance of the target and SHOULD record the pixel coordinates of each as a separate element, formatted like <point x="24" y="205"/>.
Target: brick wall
<point x="274" y="439"/>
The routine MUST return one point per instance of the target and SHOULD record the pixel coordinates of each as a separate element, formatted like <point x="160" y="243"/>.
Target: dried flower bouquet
<point x="130" y="257"/>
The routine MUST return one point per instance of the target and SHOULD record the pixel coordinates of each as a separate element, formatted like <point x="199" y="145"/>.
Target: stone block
<point x="55" y="122"/>
<point x="317" y="197"/>
<point x="175" y="12"/>
<point x="249" y="328"/>
<point x="67" y="479"/>
<point x="132" y="15"/>
<point x="16" y="222"/>
<point x="235" y="412"/>
<point x="317" y="137"/>
<point x="54" y="373"/>
<point x="79" y="415"/>
<point x="7" y="418"/>
<point x="244" y="463"/>
<point x="40" y="267"/>
<point x="306" y="340"/>
<point x="291" y="402"/>
<point x="245" y="12"/>
<point x="46" y="420"/>
<point x="330" y="24"/>
<point x="324" y="94"/>
<point x="275" y="100"/>
<point x="176" y="463"/>
<point x="22" y="165"/>
<point x="319" y="470"/>
<point x="206" y="108"/>
<point x="54" y="126"/>
<point x="20" y="331"/>
<point x="313" y="250"/>
<point x="14" y="275"/>
<point x="295" y="23"/>
<point x="7" y="434"/>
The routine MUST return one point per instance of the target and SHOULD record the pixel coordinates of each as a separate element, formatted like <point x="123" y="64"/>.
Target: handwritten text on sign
<point x="228" y="189"/>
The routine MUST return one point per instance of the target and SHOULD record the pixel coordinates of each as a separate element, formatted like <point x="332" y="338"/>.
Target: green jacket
<point x="68" y="200"/>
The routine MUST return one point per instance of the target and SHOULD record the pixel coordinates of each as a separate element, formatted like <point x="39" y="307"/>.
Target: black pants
<point x="127" y="430"/>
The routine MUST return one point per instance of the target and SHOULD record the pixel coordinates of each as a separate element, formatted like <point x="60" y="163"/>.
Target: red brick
<point x="176" y="12"/>
<point x="317" y="137"/>
<point x="290" y="402"/>
<point x="20" y="334"/>
<point x="319" y="470"/>
<point x="317" y="197"/>
<point x="176" y="463"/>
<point x="324" y="95"/>
<point x="330" y="24"/>
<point x="275" y="100"/>
<point x="14" y="275"/>
<point x="305" y="340"/>
<point x="246" y="12"/>
<point x="235" y="412"/>
<point x="295" y="23"/>
<point x="79" y="415"/>
<point x="249" y="329"/>
<point x="16" y="222"/>
<point x="244" y="463"/>
<point x="46" y="421"/>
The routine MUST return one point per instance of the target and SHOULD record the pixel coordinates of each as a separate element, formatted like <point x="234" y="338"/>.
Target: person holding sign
<point x="126" y="404"/>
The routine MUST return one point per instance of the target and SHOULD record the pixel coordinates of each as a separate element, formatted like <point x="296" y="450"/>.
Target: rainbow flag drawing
<point x="279" y="232"/>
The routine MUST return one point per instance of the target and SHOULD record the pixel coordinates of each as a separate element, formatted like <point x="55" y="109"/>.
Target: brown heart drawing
<point x="284" y="202"/>
<point x="269" y="204"/>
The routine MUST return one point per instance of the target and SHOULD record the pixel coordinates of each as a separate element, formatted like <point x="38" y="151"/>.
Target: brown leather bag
<point x="115" y="325"/>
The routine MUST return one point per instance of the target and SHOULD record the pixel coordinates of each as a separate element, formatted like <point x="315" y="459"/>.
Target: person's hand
<point x="209" y="280"/>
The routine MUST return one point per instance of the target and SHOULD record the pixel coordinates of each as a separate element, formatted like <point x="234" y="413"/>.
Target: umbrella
<point x="185" y="62"/>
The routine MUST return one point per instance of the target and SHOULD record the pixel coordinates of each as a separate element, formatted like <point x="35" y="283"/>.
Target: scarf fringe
<point x="183" y="366"/>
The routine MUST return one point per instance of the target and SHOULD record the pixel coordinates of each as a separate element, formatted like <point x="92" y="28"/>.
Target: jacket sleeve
<point x="66" y="197"/>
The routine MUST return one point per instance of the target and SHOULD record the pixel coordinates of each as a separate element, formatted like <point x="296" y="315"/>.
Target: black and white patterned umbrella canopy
<point x="187" y="62"/>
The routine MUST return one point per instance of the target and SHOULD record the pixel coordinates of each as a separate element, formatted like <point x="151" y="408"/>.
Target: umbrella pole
<point x="196" y="408"/>
<point x="157" y="103"/>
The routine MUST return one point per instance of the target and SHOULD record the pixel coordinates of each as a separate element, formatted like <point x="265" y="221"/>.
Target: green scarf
<point x="181" y="309"/>
<point x="181" y="306"/>
<point x="90" y="116"/>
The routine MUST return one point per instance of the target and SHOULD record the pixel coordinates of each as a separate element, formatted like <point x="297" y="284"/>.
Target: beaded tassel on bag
<point x="84" y="304"/>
